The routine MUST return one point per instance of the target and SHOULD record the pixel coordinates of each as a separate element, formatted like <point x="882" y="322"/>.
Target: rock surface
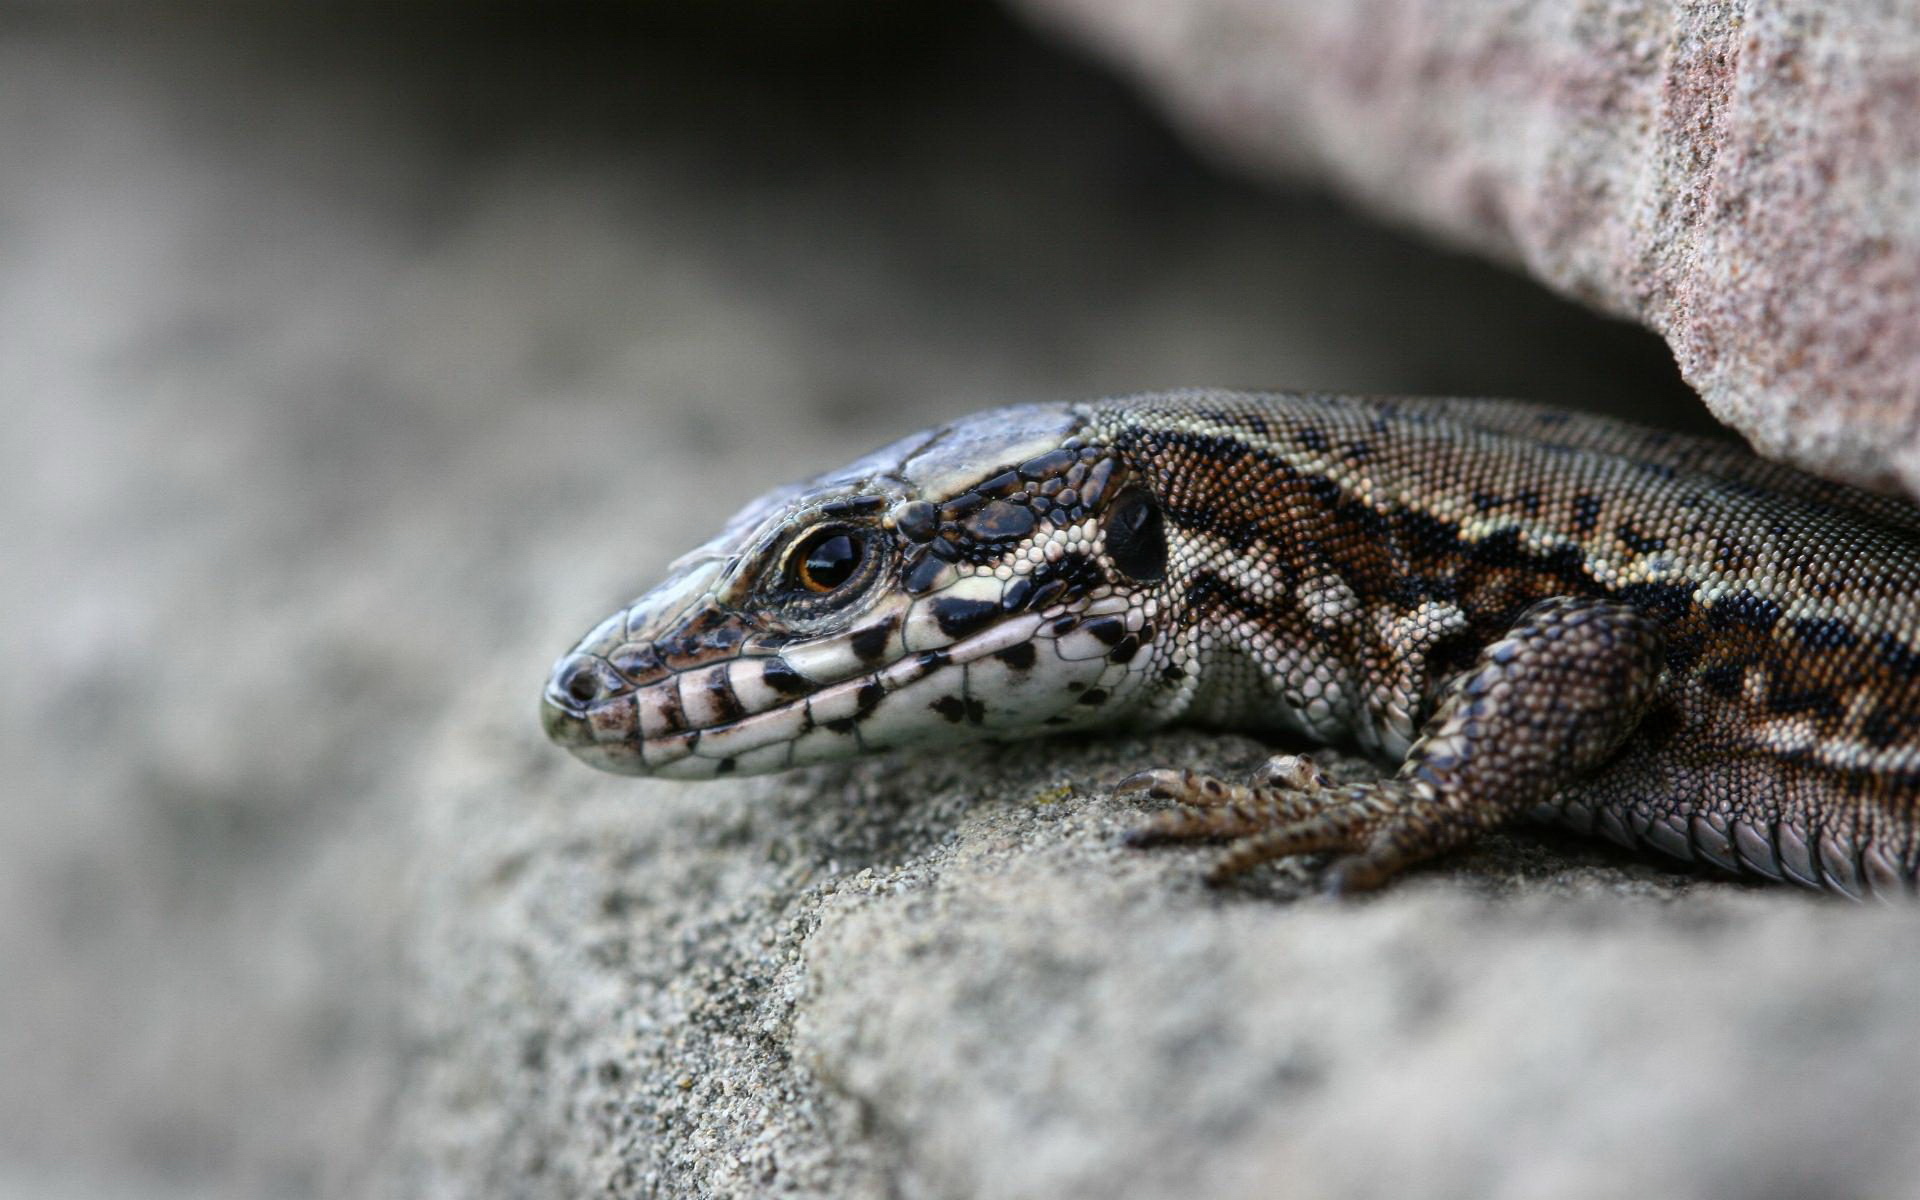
<point x="1742" y="178"/>
<point x="333" y="416"/>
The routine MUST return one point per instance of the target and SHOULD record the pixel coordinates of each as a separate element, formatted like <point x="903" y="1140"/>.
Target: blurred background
<point x="353" y="362"/>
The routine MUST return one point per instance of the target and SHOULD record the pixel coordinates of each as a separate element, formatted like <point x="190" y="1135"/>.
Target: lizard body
<point x="1649" y="636"/>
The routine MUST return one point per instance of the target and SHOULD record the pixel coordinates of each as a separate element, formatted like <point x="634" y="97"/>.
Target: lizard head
<point x="996" y="577"/>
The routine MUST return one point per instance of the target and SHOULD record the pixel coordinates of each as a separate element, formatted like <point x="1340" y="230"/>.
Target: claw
<point x="1150" y="782"/>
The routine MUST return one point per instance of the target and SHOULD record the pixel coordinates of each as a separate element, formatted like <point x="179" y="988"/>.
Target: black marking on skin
<point x="1586" y="512"/>
<point x="1093" y="697"/>
<point x="1884" y="727"/>
<point x="720" y="692"/>
<point x="932" y="660"/>
<point x="1813" y="700"/>
<point x="1313" y="439"/>
<point x="870" y="644"/>
<point x="725" y="766"/>
<point x="1108" y="629"/>
<point x="922" y="575"/>
<point x="957" y="618"/>
<point x="917" y="520"/>
<point x="868" y="698"/>
<point x="1898" y="656"/>
<point x="1001" y="521"/>
<point x="1414" y="587"/>
<point x="639" y="663"/>
<point x="1724" y="680"/>
<point x="962" y="505"/>
<point x="1358" y="452"/>
<point x="672" y="717"/>
<point x="1684" y="650"/>
<point x="959" y="709"/>
<point x="1486" y="501"/>
<point x="1667" y="601"/>
<point x="777" y="674"/>
<point x="1006" y="481"/>
<point x="1424" y="534"/>
<point x="1825" y="633"/>
<point x="1502" y="549"/>
<point x="1020" y="656"/>
<point x="1097" y="480"/>
<point x="1051" y="463"/>
<point x="1639" y="543"/>
<point x="1743" y="608"/>
<point x="945" y="549"/>
<point x="709" y="631"/>
<point x="1065" y="625"/>
<point x="1017" y="594"/>
<point x="852" y="506"/>
<point x="1074" y="575"/>
<point x="1124" y="652"/>
<point x="1370" y="522"/>
<point x="1047" y="594"/>
<point x="842" y="725"/>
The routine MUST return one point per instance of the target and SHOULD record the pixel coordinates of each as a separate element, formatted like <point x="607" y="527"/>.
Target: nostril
<point x="580" y="679"/>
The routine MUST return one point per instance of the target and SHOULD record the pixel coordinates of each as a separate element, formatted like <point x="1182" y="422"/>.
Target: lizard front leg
<point x="1552" y="699"/>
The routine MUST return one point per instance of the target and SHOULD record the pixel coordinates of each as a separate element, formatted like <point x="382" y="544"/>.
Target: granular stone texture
<point x="1741" y="177"/>
<point x="347" y="376"/>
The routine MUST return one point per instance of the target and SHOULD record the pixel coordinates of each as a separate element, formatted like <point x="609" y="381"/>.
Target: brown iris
<point x="827" y="559"/>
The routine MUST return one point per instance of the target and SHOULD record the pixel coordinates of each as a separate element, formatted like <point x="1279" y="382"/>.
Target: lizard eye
<point x="826" y="559"/>
<point x="1137" y="536"/>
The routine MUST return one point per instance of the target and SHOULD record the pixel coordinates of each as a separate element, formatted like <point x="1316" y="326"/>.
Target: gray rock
<point x="333" y="416"/>
<point x="1742" y="179"/>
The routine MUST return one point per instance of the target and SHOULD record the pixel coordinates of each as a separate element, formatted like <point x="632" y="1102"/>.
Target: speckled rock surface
<point x="1742" y="178"/>
<point x="333" y="416"/>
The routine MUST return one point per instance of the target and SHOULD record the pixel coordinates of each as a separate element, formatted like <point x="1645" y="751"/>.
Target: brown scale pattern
<point x="1779" y="733"/>
<point x="1651" y="637"/>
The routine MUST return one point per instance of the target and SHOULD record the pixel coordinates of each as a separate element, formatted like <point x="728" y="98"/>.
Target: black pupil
<point x="831" y="562"/>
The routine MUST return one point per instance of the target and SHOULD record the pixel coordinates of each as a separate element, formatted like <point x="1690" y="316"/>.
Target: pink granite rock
<point x="1742" y="178"/>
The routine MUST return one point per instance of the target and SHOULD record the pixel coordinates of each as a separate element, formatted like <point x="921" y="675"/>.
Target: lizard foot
<point x="1553" y="698"/>
<point x="1291" y="807"/>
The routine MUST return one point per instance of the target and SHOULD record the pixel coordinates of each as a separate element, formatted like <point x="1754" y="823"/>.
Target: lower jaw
<point x="617" y="757"/>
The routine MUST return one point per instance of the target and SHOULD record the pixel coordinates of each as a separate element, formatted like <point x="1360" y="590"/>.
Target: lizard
<point x="1657" y="638"/>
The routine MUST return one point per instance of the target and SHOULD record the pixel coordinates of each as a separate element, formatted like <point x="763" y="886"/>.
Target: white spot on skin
<point x="1328" y="602"/>
<point x="748" y="676"/>
<point x="770" y="757"/>
<point x="666" y="751"/>
<point x="824" y="660"/>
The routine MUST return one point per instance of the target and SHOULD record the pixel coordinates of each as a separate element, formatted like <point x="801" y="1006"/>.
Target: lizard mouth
<point x="755" y="713"/>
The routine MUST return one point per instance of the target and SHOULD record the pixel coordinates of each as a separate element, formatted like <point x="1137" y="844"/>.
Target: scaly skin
<point x="1653" y="637"/>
